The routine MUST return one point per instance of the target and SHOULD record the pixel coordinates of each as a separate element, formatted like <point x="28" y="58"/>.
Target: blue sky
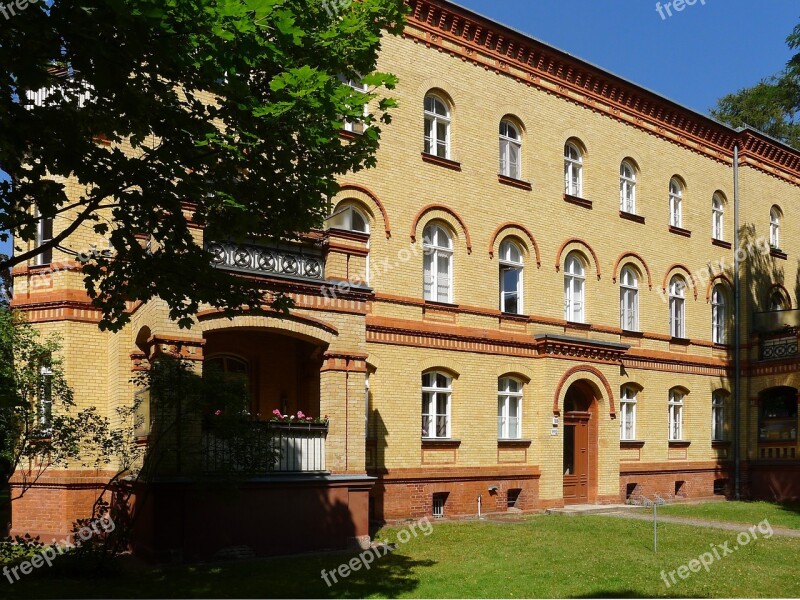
<point x="693" y="57"/>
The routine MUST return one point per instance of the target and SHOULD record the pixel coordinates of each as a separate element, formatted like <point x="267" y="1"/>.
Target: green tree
<point x="772" y="105"/>
<point x="170" y="114"/>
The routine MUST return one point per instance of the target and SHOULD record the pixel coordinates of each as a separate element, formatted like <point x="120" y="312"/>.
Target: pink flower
<point x="300" y="415"/>
<point x="276" y="412"/>
<point x="217" y="413"/>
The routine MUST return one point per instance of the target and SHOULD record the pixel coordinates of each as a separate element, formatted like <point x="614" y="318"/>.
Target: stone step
<point x="589" y="509"/>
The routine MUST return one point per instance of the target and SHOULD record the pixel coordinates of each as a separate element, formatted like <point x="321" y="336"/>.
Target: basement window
<point x="439" y="501"/>
<point x="720" y="486"/>
<point x="512" y="498"/>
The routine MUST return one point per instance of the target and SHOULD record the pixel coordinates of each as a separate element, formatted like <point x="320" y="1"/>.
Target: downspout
<point x="737" y="332"/>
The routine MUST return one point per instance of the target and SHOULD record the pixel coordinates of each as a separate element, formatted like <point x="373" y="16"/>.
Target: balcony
<point x="779" y="331"/>
<point x="261" y="448"/>
<point x="775" y="321"/>
<point x="295" y="263"/>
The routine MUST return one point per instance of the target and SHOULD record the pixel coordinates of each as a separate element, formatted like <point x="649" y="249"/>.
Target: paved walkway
<point x="648" y="516"/>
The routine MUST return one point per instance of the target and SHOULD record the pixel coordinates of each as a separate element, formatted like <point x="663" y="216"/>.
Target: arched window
<point x="677" y="307"/>
<point x="627" y="188"/>
<point x="777" y="301"/>
<point x="355" y="126"/>
<point x="675" y="203"/>
<point x="511" y="265"/>
<point x="718" y="217"/>
<point x="629" y="299"/>
<point x="574" y="289"/>
<point x="437" y="390"/>
<point x="718" y="415"/>
<point x="437" y="126"/>
<point x="44" y="233"/>
<point x="719" y="314"/>
<point x="627" y="403"/>
<point x="573" y="170"/>
<point x="775" y="227"/>
<point x="349" y="218"/>
<point x="510" y="150"/>
<point x="438" y="264"/>
<point x="233" y="370"/>
<point x="675" y="415"/>
<point x="509" y="409"/>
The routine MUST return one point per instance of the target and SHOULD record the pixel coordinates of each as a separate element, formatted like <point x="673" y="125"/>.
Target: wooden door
<point x="576" y="458"/>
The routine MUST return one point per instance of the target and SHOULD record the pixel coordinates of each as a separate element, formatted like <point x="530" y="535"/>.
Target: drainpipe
<point x="737" y="332"/>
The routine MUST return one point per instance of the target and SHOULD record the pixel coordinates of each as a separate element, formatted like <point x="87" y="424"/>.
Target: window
<point x="439" y="500"/>
<point x="436" y="393"/>
<point x="44" y="233"/>
<point x="675" y="415"/>
<point x="574" y="289"/>
<point x="675" y="203"/>
<point x="775" y="227"/>
<point x="629" y="300"/>
<point x="509" y="409"/>
<point x="627" y="403"/>
<point x="349" y="218"/>
<point x="719" y="334"/>
<point x="677" y="308"/>
<point x="777" y="416"/>
<point x="718" y="416"/>
<point x="510" y="151"/>
<point x="777" y="301"/>
<point x="717" y="218"/>
<point x="437" y="127"/>
<point x="627" y="188"/>
<point x="45" y="398"/>
<point x="510" y="278"/>
<point x="573" y="171"/>
<point x="438" y="264"/>
<point x="355" y="126"/>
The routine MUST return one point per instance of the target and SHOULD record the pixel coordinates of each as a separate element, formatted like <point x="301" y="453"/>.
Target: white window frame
<point x="357" y="127"/>
<point x="431" y="393"/>
<point x="719" y="309"/>
<point x="676" y="403"/>
<point x="718" y="416"/>
<point x="627" y="188"/>
<point x="509" y="263"/>
<point x="717" y="218"/>
<point x="438" y="245"/>
<point x="45" y="414"/>
<point x="434" y="118"/>
<point x="677" y="307"/>
<point x="573" y="170"/>
<point x="508" y="427"/>
<point x="629" y="299"/>
<point x="342" y="218"/>
<point x="574" y="289"/>
<point x="675" y="203"/>
<point x="628" y="399"/>
<point x="775" y="228"/>
<point x="45" y="257"/>
<point x="508" y="145"/>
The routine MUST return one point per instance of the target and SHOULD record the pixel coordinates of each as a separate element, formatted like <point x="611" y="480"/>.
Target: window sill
<point x="437" y="304"/>
<point x="581" y="326"/>
<point x="680" y="231"/>
<point x="509" y="443"/>
<point x="679" y="443"/>
<point x="631" y="217"/>
<point x="440" y="443"/>
<point x="442" y="162"/>
<point x="631" y="444"/>
<point x="583" y="202"/>
<point x="679" y="341"/>
<point x="778" y="253"/>
<point x="722" y="244"/>
<point x="517" y="183"/>
<point x="724" y="347"/>
<point x="631" y="333"/>
<point x="514" y="317"/>
<point x="349" y="135"/>
<point x="720" y="444"/>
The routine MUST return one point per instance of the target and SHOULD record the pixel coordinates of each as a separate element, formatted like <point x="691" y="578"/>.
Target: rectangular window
<point x="675" y="417"/>
<point x="439" y="501"/>
<point x="436" y="393"/>
<point x="46" y="398"/>
<point x="44" y="234"/>
<point x="628" y="421"/>
<point x="354" y="126"/>
<point x="511" y="287"/>
<point x="676" y="321"/>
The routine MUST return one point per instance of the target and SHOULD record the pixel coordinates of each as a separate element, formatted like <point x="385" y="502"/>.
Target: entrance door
<point x="576" y="457"/>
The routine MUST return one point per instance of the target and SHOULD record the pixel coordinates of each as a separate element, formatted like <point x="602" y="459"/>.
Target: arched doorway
<point x="580" y="444"/>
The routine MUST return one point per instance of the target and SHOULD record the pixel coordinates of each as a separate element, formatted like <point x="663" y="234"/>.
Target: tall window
<point x="44" y="233"/>
<point x="45" y="397"/>
<point x="438" y="264"/>
<point x="349" y="218"/>
<point x="510" y="278"/>
<point x="627" y="188"/>
<point x="573" y="170"/>
<point x="717" y="218"/>
<point x="675" y="203"/>
<point x="437" y="127"/>
<point x="718" y="416"/>
<point x="627" y="403"/>
<point x="718" y="316"/>
<point x="574" y="289"/>
<point x="510" y="150"/>
<point x="677" y="307"/>
<point x="775" y="227"/>
<point x="436" y="394"/>
<point x="675" y="415"/>
<point x="509" y="409"/>
<point x="356" y="126"/>
<point x="629" y="300"/>
<point x="777" y="301"/>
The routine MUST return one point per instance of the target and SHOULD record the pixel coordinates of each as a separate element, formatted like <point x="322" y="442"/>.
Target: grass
<point x="543" y="556"/>
<point x="779" y="515"/>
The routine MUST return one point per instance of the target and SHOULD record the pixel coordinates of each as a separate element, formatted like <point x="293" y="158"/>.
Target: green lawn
<point x="550" y="556"/>
<point x="778" y="515"/>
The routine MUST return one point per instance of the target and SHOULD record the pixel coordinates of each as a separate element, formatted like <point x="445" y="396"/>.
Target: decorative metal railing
<point x="780" y="347"/>
<point x="265" y="447"/>
<point x="307" y="264"/>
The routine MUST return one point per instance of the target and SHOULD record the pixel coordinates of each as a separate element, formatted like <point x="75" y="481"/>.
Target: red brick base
<point x="678" y="481"/>
<point x="774" y="481"/>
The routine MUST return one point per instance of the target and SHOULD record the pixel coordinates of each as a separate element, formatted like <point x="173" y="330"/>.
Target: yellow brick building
<point x="531" y="298"/>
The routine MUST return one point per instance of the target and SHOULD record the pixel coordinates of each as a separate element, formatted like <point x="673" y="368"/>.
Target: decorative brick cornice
<point x="580" y="348"/>
<point x="184" y="348"/>
<point x="345" y="362"/>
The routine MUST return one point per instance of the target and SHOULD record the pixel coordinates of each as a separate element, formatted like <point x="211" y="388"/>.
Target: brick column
<point x="342" y="399"/>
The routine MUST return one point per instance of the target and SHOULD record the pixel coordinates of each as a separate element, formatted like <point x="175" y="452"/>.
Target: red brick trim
<point x="458" y="473"/>
<point x="638" y="444"/>
<point x="784" y="292"/>
<point x="779" y="254"/>
<point x="671" y="467"/>
<point x="443" y="208"/>
<point x="578" y="201"/>
<point x="585" y="245"/>
<point x="344" y="362"/>
<point x="632" y="217"/>
<point x="680" y="231"/>
<point x="525" y="230"/>
<point x="585" y="369"/>
<point x="374" y="197"/>
<point x="722" y="244"/>
<point x="208" y="315"/>
<point x="441" y="162"/>
<point x="685" y="269"/>
<point x="517" y="183"/>
<point x="710" y="286"/>
<point x="637" y="256"/>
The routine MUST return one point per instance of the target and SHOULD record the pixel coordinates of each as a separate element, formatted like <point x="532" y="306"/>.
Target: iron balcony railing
<point x="301" y="263"/>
